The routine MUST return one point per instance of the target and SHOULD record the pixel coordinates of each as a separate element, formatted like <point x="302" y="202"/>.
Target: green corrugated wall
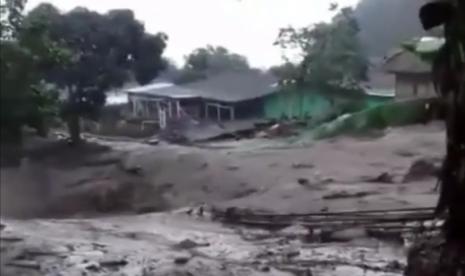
<point x="296" y="103"/>
<point x="303" y="103"/>
<point x="371" y="101"/>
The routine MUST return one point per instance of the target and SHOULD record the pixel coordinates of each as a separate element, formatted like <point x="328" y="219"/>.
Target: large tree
<point x="331" y="53"/>
<point x="287" y="72"/>
<point x="107" y="50"/>
<point x="26" y="53"/>
<point x="203" y="62"/>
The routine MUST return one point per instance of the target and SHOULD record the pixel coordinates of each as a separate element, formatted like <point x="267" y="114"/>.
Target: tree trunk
<point x="447" y="257"/>
<point x="74" y="128"/>
<point x="11" y="146"/>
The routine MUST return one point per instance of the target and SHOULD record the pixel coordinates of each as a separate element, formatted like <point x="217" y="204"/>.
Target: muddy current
<point x="128" y="208"/>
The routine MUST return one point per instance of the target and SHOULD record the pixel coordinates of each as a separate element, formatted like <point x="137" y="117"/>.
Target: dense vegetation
<point x="81" y="54"/>
<point x="331" y="54"/>
<point x="107" y="50"/>
<point x="26" y="53"/>
<point x="204" y="62"/>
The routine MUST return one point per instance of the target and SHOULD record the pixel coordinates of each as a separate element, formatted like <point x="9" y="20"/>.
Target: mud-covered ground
<point x="70" y="190"/>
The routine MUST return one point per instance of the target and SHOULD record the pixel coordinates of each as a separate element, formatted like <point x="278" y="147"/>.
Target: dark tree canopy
<point x="215" y="59"/>
<point x="286" y="72"/>
<point x="385" y="24"/>
<point x="332" y="55"/>
<point x="107" y="50"/>
<point x="203" y="62"/>
<point x="26" y="53"/>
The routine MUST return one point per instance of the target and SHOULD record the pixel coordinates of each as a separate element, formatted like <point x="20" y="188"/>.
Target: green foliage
<point x="10" y="17"/>
<point x="203" y="62"/>
<point x="286" y="72"/>
<point x="379" y="117"/>
<point x="215" y="59"/>
<point x="332" y="57"/>
<point x="106" y="50"/>
<point x="25" y="51"/>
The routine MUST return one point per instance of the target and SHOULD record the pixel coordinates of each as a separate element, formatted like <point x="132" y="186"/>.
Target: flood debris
<point x="153" y="141"/>
<point x="294" y="231"/>
<point x="345" y="194"/>
<point x="421" y="169"/>
<point x="277" y="130"/>
<point x="424" y="257"/>
<point x="113" y="262"/>
<point x="232" y="168"/>
<point x="4" y="238"/>
<point x="344" y="235"/>
<point x="384" y="177"/>
<point x="189" y="244"/>
<point x="395" y="265"/>
<point x="264" y="268"/>
<point x="135" y="170"/>
<point x="147" y="209"/>
<point x="246" y="192"/>
<point x="303" y="181"/>
<point x="302" y="165"/>
<point x="182" y="260"/>
<point x="307" y="272"/>
<point x="92" y="266"/>
<point x="28" y="264"/>
<point x="283" y="235"/>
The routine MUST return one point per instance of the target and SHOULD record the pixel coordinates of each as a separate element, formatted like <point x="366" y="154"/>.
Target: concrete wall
<point x="411" y="87"/>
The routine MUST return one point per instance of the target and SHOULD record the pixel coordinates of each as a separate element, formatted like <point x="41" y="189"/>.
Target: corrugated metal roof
<point x="168" y="90"/>
<point x="406" y="62"/>
<point x="149" y="87"/>
<point x="236" y="86"/>
<point x="429" y="44"/>
<point x="388" y="93"/>
<point x="403" y="61"/>
<point x="225" y="87"/>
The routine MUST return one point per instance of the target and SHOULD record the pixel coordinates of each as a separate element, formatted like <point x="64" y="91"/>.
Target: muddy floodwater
<point x="167" y="244"/>
<point x="128" y="208"/>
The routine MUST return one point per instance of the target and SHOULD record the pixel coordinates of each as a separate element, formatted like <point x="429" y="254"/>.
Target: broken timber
<point x="394" y="219"/>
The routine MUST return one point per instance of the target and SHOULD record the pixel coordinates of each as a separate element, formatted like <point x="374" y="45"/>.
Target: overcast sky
<point x="247" y="27"/>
